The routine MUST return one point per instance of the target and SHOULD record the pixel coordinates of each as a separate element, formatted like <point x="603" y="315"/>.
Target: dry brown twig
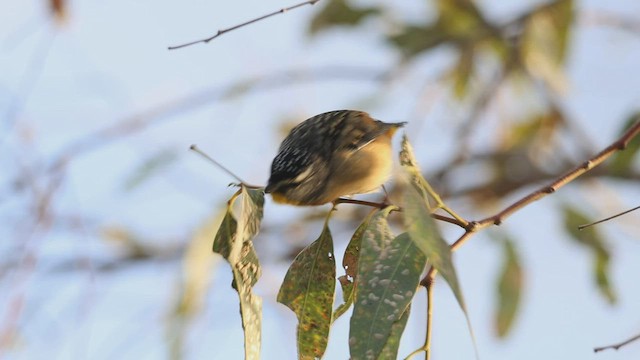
<point x="224" y="31"/>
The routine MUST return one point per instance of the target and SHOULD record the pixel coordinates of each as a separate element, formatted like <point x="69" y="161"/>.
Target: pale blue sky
<point x="110" y="60"/>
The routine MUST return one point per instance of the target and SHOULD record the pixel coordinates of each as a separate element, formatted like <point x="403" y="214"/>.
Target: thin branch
<point x="223" y="31"/>
<point x="617" y="346"/>
<point x="426" y="347"/>
<point x="564" y="179"/>
<point x="607" y="219"/>
<point x="197" y="150"/>
<point x="619" y="21"/>
<point x="28" y="82"/>
<point x="559" y="182"/>
<point x="382" y="205"/>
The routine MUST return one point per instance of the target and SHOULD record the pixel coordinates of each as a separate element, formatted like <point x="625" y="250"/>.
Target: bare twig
<point x="32" y="73"/>
<point x="617" y="346"/>
<point x="382" y="205"/>
<point x="223" y="31"/>
<point x="559" y="182"/>
<point x="197" y="150"/>
<point x="607" y="219"/>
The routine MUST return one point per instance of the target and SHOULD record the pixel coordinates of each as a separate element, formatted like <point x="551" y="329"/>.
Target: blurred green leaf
<point x="459" y="23"/>
<point x="592" y="239"/>
<point x="463" y="71"/>
<point x="544" y="43"/>
<point x="623" y="160"/>
<point x="234" y="241"/>
<point x="308" y="290"/>
<point x="509" y="289"/>
<point x="150" y="167"/>
<point x="349" y="281"/>
<point x="388" y="276"/>
<point x="340" y="13"/>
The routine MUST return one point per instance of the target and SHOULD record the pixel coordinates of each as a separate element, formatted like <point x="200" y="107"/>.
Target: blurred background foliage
<point x="502" y="98"/>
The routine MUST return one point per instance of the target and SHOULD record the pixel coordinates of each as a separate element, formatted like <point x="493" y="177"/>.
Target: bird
<point x="332" y="155"/>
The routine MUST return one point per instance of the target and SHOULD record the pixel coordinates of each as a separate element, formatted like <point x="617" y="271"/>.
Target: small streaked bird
<point x="333" y="154"/>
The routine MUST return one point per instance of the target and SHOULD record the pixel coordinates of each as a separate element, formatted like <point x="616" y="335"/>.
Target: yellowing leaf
<point x="234" y="242"/>
<point x="308" y="290"/>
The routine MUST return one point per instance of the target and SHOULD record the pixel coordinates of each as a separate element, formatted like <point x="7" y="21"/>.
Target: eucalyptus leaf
<point x="308" y="290"/>
<point x="388" y="277"/>
<point x="234" y="242"/>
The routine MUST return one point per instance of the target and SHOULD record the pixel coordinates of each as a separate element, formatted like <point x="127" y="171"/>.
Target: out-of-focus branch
<point x="617" y="346"/>
<point x="619" y="21"/>
<point x="223" y="31"/>
<point x="156" y="115"/>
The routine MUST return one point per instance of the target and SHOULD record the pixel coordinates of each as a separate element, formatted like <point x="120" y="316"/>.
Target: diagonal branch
<point x="617" y="346"/>
<point x="223" y="31"/>
<point x="562" y="180"/>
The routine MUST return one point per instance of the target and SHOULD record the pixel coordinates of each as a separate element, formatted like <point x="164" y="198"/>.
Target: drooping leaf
<point x="340" y="13"/>
<point x="509" y="289"/>
<point x="349" y="280"/>
<point x="424" y="233"/>
<point x="388" y="276"/>
<point x="308" y="290"/>
<point x="592" y="239"/>
<point x="234" y="241"/>
<point x="544" y="43"/>
<point x="150" y="167"/>
<point x="423" y="230"/>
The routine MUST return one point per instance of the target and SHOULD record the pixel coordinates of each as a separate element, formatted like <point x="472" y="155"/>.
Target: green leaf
<point x="234" y="242"/>
<point x="424" y="233"/>
<point x="422" y="229"/>
<point x="388" y="276"/>
<point x="150" y="167"/>
<point x="308" y="290"/>
<point x="592" y="239"/>
<point x="349" y="281"/>
<point x="509" y="290"/>
<point x="459" y="23"/>
<point x="340" y="13"/>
